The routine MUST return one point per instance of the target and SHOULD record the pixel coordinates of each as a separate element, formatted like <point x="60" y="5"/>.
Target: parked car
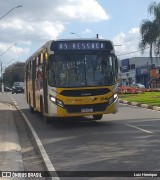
<point x="138" y="85"/>
<point x="18" y="87"/>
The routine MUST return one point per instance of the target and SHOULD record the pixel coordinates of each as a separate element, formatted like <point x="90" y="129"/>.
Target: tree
<point x="154" y="9"/>
<point x="149" y="33"/>
<point x="14" y="73"/>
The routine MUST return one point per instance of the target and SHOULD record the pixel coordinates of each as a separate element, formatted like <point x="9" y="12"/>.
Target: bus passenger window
<point x="41" y="58"/>
<point x="51" y="77"/>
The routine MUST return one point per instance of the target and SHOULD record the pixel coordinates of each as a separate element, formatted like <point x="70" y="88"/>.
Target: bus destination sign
<point x="82" y="45"/>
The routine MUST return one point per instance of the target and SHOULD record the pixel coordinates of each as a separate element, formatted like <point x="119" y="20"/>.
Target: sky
<point x="25" y="29"/>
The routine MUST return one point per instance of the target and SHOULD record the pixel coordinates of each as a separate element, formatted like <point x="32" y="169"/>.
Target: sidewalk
<point x="10" y="149"/>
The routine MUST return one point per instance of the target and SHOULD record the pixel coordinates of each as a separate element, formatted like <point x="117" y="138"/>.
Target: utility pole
<point x="19" y="6"/>
<point x="2" y="79"/>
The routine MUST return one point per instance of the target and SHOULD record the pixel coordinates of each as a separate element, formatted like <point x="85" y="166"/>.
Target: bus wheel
<point x="42" y="109"/>
<point x="97" y="117"/>
<point x="46" y="119"/>
<point x="31" y="109"/>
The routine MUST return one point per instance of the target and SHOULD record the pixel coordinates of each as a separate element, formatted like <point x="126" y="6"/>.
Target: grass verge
<point x="150" y="98"/>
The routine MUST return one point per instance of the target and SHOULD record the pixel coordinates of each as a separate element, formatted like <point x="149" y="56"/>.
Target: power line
<point x="132" y="40"/>
<point x="135" y="39"/>
<point x="131" y="52"/>
<point x="8" y="49"/>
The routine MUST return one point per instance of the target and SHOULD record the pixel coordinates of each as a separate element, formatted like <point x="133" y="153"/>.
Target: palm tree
<point x="154" y="9"/>
<point x="148" y="31"/>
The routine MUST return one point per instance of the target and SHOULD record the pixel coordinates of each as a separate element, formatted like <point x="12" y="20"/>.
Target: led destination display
<point x="83" y="45"/>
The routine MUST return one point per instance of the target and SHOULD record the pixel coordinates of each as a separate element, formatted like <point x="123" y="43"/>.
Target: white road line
<point x="147" y="120"/>
<point x="44" y="155"/>
<point x="139" y="128"/>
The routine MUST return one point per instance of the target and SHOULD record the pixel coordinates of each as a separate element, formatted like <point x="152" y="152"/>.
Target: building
<point x="138" y="70"/>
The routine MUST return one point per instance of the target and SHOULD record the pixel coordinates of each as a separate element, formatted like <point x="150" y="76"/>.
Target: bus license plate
<point x="87" y="110"/>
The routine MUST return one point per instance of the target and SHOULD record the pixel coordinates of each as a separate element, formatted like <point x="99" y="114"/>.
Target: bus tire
<point x="31" y="109"/>
<point x="46" y="119"/>
<point x="97" y="117"/>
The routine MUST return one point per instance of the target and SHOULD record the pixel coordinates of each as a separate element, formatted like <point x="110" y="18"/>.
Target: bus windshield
<point x="81" y="70"/>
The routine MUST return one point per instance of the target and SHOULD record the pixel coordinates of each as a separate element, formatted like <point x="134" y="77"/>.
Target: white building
<point x="137" y="70"/>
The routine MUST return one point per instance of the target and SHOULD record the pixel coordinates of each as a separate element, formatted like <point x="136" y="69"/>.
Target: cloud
<point x="83" y="10"/>
<point x="128" y="44"/>
<point x="87" y="31"/>
<point x="134" y="31"/>
<point x="51" y="29"/>
<point x="11" y="51"/>
<point x="46" y="18"/>
<point x="41" y="20"/>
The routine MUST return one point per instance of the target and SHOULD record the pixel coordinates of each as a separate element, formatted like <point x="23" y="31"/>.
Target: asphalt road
<point x="126" y="141"/>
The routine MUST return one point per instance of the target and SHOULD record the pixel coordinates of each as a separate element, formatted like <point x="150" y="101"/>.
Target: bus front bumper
<point x="70" y="112"/>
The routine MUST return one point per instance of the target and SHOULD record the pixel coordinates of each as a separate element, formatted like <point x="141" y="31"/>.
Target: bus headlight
<point x="53" y="99"/>
<point x="60" y="103"/>
<point x="56" y="101"/>
<point x="115" y="96"/>
<point x="112" y="99"/>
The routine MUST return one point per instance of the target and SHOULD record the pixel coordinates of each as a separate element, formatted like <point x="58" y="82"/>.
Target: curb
<point x="157" y="108"/>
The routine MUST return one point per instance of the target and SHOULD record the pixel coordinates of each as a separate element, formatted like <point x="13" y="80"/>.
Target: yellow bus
<point x="72" y="78"/>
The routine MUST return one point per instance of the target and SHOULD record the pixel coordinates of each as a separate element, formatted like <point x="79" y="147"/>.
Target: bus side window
<point x="51" y="75"/>
<point x="30" y="70"/>
<point x="41" y="58"/>
<point x="27" y="72"/>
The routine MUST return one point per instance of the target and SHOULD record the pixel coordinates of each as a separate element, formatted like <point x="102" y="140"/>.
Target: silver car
<point x="138" y="85"/>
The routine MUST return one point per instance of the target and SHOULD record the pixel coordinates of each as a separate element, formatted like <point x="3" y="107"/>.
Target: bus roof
<point x="48" y="44"/>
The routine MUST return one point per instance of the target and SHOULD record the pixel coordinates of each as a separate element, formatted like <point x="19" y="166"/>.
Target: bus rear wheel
<point x="31" y="109"/>
<point x="46" y="119"/>
<point x="97" y="117"/>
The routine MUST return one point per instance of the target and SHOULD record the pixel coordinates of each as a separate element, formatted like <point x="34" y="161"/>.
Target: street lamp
<point x="19" y="6"/>
<point x="76" y="34"/>
<point x="117" y="45"/>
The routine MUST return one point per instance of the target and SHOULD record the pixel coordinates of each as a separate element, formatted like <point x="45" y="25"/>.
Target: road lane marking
<point x="146" y="120"/>
<point x="45" y="157"/>
<point x="138" y="128"/>
<point x="43" y="152"/>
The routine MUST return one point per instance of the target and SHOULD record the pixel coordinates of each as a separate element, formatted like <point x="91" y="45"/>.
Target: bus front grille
<point x="86" y="108"/>
<point x="85" y="92"/>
